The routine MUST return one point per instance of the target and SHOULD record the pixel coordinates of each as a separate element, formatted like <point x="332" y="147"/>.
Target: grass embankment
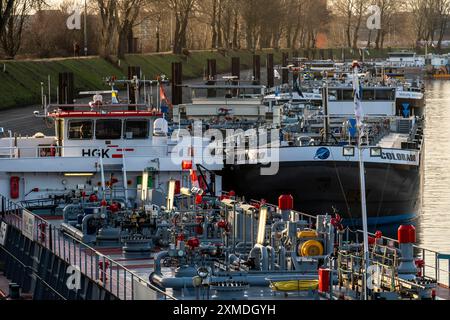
<point x="20" y="84"/>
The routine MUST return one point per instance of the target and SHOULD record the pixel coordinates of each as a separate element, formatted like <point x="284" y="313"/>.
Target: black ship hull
<point x="318" y="187"/>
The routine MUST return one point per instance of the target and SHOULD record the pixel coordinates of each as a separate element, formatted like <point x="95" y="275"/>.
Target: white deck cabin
<point x="87" y="142"/>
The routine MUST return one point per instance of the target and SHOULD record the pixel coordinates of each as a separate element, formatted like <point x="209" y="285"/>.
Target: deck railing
<point x="436" y="265"/>
<point x="113" y="276"/>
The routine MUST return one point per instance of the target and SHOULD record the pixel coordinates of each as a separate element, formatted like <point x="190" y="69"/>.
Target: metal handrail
<point x="301" y="214"/>
<point x="382" y="265"/>
<point x="438" y="256"/>
<point x="50" y="238"/>
<point x="99" y="254"/>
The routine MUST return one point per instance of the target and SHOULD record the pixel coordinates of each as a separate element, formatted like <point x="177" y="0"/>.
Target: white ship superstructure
<point x="95" y="148"/>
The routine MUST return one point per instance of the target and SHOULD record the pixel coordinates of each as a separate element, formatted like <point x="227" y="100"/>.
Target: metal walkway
<point x="117" y="276"/>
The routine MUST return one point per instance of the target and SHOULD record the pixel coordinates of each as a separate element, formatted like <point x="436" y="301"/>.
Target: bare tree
<point x="353" y="12"/>
<point x="127" y="16"/>
<point x="108" y="18"/>
<point x="11" y="36"/>
<point x="182" y="10"/>
<point x="442" y="11"/>
<point x="6" y="8"/>
<point x="388" y="9"/>
<point x="250" y="20"/>
<point x="228" y="19"/>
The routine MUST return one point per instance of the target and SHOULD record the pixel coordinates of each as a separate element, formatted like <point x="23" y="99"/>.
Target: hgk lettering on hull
<point x="95" y="153"/>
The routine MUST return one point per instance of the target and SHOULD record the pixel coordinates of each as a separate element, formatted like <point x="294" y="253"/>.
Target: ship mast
<point x="358" y="113"/>
<point x="325" y="108"/>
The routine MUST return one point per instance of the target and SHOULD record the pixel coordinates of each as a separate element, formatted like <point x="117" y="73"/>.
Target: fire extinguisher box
<point x="324" y="280"/>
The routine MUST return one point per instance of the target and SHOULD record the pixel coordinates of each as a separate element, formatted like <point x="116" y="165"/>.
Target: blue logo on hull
<point x="322" y="154"/>
<point x="406" y="111"/>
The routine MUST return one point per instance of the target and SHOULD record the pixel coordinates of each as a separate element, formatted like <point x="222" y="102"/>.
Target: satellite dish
<point x="160" y="127"/>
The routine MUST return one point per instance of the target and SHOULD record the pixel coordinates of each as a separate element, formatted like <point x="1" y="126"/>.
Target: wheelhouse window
<point x="333" y="95"/>
<point x="81" y="130"/>
<point x="368" y="94"/>
<point x="385" y="95"/>
<point x="347" y="95"/>
<point x="108" y="129"/>
<point x="136" y="129"/>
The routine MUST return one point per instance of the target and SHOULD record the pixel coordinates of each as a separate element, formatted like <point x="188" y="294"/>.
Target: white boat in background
<point x="405" y="59"/>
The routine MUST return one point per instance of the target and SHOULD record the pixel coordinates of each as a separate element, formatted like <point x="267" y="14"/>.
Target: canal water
<point x="433" y="223"/>
<point x="434" y="220"/>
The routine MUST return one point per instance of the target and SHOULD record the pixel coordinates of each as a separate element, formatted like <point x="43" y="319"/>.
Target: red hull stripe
<point x="116" y="114"/>
<point x="117" y="156"/>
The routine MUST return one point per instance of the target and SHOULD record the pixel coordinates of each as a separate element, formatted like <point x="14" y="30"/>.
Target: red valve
<point x="93" y="198"/>
<point x="193" y="243"/>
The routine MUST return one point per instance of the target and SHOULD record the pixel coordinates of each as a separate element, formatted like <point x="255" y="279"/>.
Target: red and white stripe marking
<point x="122" y="152"/>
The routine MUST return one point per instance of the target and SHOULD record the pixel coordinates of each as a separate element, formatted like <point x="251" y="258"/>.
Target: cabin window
<point x="368" y="94"/>
<point x="347" y="95"/>
<point x="136" y="129"/>
<point x="385" y="95"/>
<point x="81" y="130"/>
<point x="108" y="129"/>
<point x="333" y="95"/>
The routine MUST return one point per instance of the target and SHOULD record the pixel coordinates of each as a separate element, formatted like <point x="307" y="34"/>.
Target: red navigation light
<point x="186" y="165"/>
<point x="407" y="234"/>
<point x="286" y="202"/>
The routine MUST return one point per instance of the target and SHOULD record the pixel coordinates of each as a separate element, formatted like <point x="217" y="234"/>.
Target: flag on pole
<point x="276" y="74"/>
<point x="114" y="97"/>
<point x="357" y="92"/>
<point x="163" y="97"/>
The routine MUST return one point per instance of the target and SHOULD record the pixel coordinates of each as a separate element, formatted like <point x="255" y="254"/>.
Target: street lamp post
<point x="85" y="29"/>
